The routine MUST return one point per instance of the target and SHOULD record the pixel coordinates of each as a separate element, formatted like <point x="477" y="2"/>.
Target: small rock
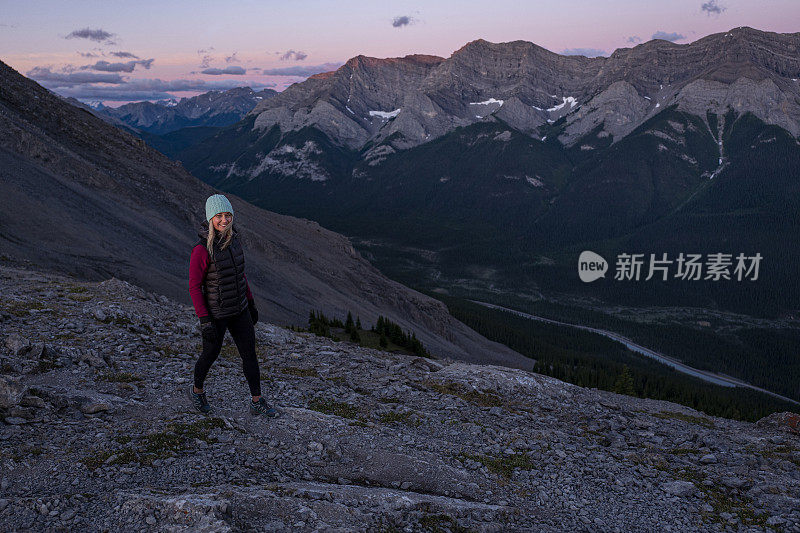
<point x="32" y="401"/>
<point x="775" y="521"/>
<point x="93" y="407"/>
<point x="708" y="459"/>
<point x="11" y="392"/>
<point x="16" y="344"/>
<point x="733" y="482"/>
<point x="151" y="520"/>
<point x="608" y="404"/>
<point x="678" y="488"/>
<point x="15" y="420"/>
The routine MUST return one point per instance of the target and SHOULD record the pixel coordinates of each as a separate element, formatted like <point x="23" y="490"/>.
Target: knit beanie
<point x="217" y="203"/>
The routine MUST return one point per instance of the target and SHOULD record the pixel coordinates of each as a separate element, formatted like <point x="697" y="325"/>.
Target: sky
<point x="116" y="52"/>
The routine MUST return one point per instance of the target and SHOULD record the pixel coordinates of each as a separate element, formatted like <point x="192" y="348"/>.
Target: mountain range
<point x="498" y="165"/>
<point x="83" y="197"/>
<point x="211" y="109"/>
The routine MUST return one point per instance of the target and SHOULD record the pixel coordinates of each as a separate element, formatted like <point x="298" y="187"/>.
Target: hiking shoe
<point x="262" y="408"/>
<point x="200" y="401"/>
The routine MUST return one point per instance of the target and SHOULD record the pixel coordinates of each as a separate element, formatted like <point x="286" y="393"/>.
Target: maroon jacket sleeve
<point x="198" y="266"/>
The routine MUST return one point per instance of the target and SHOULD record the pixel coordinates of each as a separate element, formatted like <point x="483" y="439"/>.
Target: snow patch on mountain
<point x="286" y="160"/>
<point x="385" y="114"/>
<point x="488" y="102"/>
<point x="571" y="100"/>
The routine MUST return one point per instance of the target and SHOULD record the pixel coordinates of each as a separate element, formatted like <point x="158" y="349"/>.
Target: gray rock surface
<point x="367" y="440"/>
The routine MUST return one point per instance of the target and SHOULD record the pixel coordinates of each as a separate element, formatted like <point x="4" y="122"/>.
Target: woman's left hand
<point x="251" y="305"/>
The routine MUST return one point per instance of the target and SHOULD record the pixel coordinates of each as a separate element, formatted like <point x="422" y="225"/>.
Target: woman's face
<point x="222" y="221"/>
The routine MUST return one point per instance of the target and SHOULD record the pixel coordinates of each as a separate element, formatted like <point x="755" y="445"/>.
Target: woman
<point x="223" y="301"/>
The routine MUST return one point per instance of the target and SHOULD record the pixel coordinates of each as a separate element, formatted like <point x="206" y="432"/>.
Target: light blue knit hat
<point x="217" y="203"/>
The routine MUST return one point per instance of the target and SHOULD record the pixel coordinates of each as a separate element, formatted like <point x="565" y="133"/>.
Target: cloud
<point x="88" y="54"/>
<point x="633" y="39"/>
<point x="124" y="55"/>
<point x="712" y="8"/>
<point x="51" y="80"/>
<point x="588" y="52"/>
<point x="232" y="58"/>
<point x="301" y="71"/>
<point x="206" y="57"/>
<point x="399" y="22"/>
<point x="674" y="36"/>
<point x="235" y="71"/>
<point x="155" y="89"/>
<point x="293" y="55"/>
<point x="128" y="66"/>
<point x="97" y="35"/>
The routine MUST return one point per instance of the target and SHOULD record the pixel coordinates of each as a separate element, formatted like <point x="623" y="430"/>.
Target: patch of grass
<point x="121" y="377"/>
<point x="483" y="399"/>
<point x="384" y="399"/>
<point x="441" y="523"/>
<point x="300" y="372"/>
<point x="169" y="351"/>
<point x="23" y="309"/>
<point x="332" y="407"/>
<point x="503" y="465"/>
<point x="683" y="451"/>
<point x="117" y="320"/>
<point x="177" y="436"/>
<point x="406" y="418"/>
<point x="339" y="380"/>
<point x="781" y="452"/>
<point x="722" y="500"/>
<point x="700" y="420"/>
<point x="76" y="289"/>
<point x="80" y="297"/>
<point x="98" y="459"/>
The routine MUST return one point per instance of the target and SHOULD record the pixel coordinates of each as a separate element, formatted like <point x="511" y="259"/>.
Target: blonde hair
<point x="225" y="238"/>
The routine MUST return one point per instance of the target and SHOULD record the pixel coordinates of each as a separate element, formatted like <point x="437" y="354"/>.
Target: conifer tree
<point x="624" y="384"/>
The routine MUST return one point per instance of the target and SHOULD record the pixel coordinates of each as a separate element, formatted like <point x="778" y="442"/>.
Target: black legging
<point x="241" y="328"/>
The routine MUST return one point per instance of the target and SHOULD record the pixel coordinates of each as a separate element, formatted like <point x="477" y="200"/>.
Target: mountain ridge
<point x="213" y="108"/>
<point x="436" y="100"/>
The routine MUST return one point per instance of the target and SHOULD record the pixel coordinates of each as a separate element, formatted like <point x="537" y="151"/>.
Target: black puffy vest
<point x="225" y="287"/>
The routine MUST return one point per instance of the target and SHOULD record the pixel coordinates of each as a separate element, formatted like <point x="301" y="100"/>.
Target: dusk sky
<point x="122" y="51"/>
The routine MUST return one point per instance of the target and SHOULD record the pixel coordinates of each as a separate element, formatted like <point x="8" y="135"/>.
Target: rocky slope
<point x="97" y="434"/>
<point x="214" y="108"/>
<point x="83" y="197"/>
